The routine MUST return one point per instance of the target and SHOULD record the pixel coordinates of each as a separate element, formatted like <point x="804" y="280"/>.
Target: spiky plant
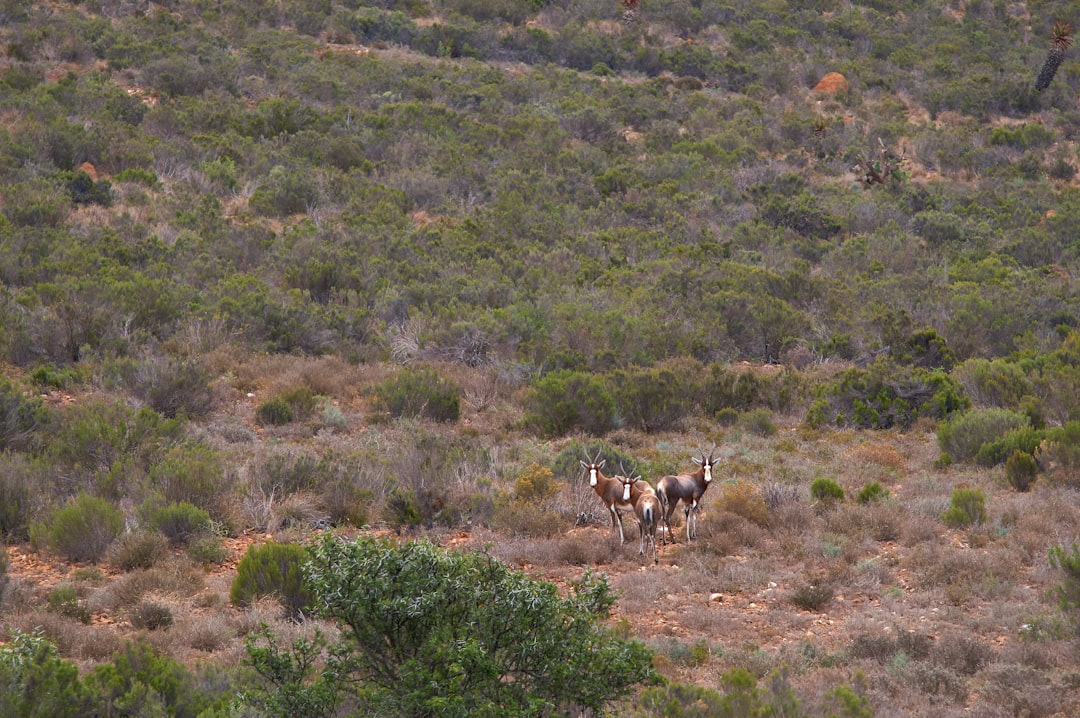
<point x="1060" y="39"/>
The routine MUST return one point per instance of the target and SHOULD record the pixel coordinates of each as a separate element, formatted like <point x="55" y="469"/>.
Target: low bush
<point x="826" y="490"/>
<point x="65" y="601"/>
<point x="565" y="401"/>
<point x="137" y="549"/>
<point x="207" y="551"/>
<point x="274" y="412"/>
<point x="151" y="616"/>
<point x="962" y="438"/>
<point x="967" y="506"/>
<point x="179" y="522"/>
<point x="272" y="569"/>
<point x="82" y="530"/>
<point x="1021" y="470"/>
<point x="872" y="492"/>
<point x="420" y="392"/>
<point x="744" y="499"/>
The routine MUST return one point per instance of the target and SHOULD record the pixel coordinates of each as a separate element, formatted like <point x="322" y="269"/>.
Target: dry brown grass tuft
<point x="883" y="455"/>
<point x="176" y="576"/>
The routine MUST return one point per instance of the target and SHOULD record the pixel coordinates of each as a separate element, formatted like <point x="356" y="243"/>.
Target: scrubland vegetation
<point x="272" y="273"/>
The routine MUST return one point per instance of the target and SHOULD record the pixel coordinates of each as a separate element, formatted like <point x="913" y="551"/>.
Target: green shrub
<point x="964" y="436"/>
<point x="1026" y="439"/>
<point x="758" y="422"/>
<point x="35" y="681"/>
<point x="652" y="399"/>
<point x="140" y="682"/>
<point x="207" y="551"/>
<point x="175" y="387"/>
<point x="417" y="392"/>
<point x="302" y="400"/>
<point x="179" y="522"/>
<point x="65" y="601"/>
<point x="967" y="506"/>
<point x="565" y="401"/>
<point x="826" y="490"/>
<point x="872" y="492"/>
<point x="21" y="417"/>
<point x="137" y="549"/>
<point x="274" y="412"/>
<point x="192" y="473"/>
<point x="1068" y="591"/>
<point x="82" y="530"/>
<point x="272" y="569"/>
<point x="1021" y="469"/>
<point x="886" y="395"/>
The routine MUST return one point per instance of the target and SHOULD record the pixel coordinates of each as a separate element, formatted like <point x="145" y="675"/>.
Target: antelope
<point x="647" y="509"/>
<point x="687" y="488"/>
<point x="611" y="491"/>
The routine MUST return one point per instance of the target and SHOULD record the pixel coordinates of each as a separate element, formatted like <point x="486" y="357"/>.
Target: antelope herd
<point x="652" y="507"/>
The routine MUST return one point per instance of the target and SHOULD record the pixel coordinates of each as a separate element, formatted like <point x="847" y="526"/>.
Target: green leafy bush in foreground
<point x="433" y="632"/>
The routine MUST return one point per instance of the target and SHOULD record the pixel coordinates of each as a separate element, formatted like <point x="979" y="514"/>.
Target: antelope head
<point x="706" y="463"/>
<point x="593" y="467"/>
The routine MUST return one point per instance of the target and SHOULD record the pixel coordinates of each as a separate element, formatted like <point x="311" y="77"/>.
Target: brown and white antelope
<point x="611" y="490"/>
<point x="687" y="488"/>
<point x="647" y="509"/>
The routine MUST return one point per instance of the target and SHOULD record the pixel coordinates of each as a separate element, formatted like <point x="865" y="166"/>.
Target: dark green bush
<point x="274" y="412"/>
<point x="566" y="401"/>
<point x="967" y="506"/>
<point x="416" y="392"/>
<point x="35" y="681"/>
<point x="812" y="596"/>
<point x="963" y="436"/>
<point x="826" y="490"/>
<point x="872" y="492"/>
<point x="82" y="530"/>
<point x="21" y="417"/>
<point x="651" y="399"/>
<point x="140" y="682"/>
<point x="1026" y="439"/>
<point x="1021" y="470"/>
<point x="272" y="569"/>
<point x="884" y="396"/>
<point x="179" y="522"/>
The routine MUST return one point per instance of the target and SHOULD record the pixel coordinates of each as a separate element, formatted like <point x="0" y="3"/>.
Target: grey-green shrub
<point x="82" y="530"/>
<point x="417" y="392"/>
<point x="967" y="506"/>
<point x="826" y="490"/>
<point x="272" y="569"/>
<point x="137" y="549"/>
<point x="180" y="522"/>
<point x="962" y="437"/>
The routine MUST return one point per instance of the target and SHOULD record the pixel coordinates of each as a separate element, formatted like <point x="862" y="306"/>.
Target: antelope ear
<point x="602" y="462"/>
<point x="583" y="464"/>
<point x="697" y="460"/>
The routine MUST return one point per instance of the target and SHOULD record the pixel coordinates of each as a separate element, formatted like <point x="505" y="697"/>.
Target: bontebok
<point x="687" y="488"/>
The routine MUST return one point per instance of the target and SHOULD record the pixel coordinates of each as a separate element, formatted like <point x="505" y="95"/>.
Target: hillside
<point x="270" y="270"/>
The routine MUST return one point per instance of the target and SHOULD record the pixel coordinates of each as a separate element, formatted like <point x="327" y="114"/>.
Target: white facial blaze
<point x="626" y="492"/>
<point x="708" y="471"/>
<point x="592" y="476"/>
